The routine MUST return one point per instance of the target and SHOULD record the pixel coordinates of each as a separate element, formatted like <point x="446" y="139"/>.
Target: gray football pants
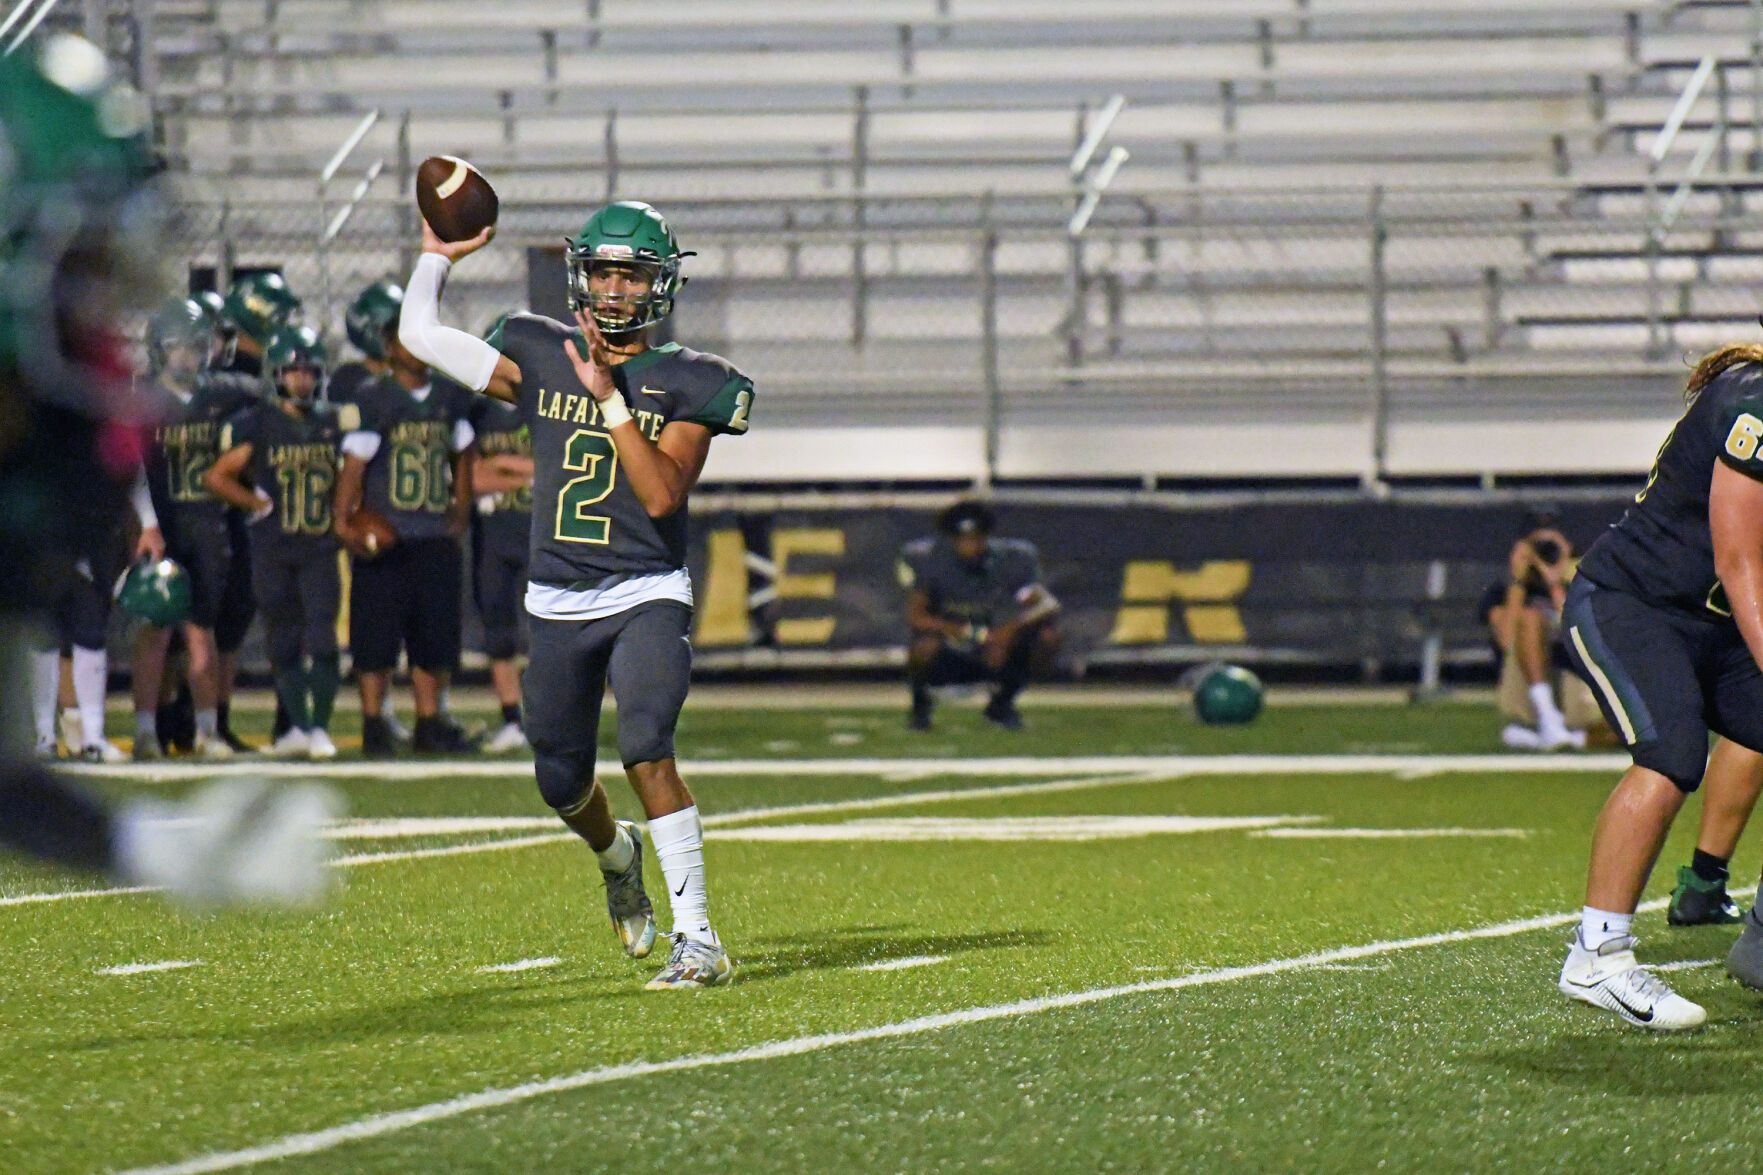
<point x="644" y="654"/>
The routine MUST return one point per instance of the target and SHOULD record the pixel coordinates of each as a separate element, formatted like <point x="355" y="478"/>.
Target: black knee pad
<point x="564" y="778"/>
<point x="501" y="644"/>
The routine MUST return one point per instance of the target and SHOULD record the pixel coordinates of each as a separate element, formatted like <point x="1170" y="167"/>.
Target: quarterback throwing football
<point x="620" y="431"/>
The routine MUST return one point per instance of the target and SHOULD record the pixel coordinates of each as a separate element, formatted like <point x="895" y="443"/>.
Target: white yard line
<point x="63" y="895"/>
<point x="521" y="965"/>
<point x="402" y="827"/>
<point x="378" y="1125"/>
<point x="482" y="846"/>
<point x="903" y="964"/>
<point x="1003" y="828"/>
<point x="145" y="968"/>
<point x="1166" y="766"/>
<point x="1387" y="833"/>
<point x="1685" y="965"/>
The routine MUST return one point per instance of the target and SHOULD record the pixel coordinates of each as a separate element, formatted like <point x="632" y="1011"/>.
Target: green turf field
<point x="949" y="965"/>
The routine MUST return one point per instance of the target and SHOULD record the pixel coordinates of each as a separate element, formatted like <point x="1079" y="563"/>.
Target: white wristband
<point x="613" y="411"/>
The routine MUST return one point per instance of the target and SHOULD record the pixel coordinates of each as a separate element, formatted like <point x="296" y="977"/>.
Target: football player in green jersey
<point x="620" y="431"/>
<point x="278" y="465"/>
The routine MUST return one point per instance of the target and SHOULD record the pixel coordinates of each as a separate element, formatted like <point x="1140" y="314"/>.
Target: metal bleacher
<point x="1414" y="237"/>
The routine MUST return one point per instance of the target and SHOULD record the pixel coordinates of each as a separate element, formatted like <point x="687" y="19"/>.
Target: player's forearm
<point x="350" y="482"/>
<point x="501" y="473"/>
<point x="1742" y="577"/>
<point x="230" y="491"/>
<point x="657" y="479"/>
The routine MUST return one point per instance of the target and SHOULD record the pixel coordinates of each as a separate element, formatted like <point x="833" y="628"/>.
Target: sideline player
<point x="1665" y="619"/>
<point x="76" y="250"/>
<point x="278" y="464"/>
<point x="977" y="612"/>
<point x="501" y="529"/>
<point x="186" y="522"/>
<point x="408" y="459"/>
<point x="620" y="431"/>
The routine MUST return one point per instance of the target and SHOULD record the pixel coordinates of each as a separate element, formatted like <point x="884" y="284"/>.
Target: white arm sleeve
<point x="362" y="444"/>
<point x="461" y="356"/>
<point x="141" y="498"/>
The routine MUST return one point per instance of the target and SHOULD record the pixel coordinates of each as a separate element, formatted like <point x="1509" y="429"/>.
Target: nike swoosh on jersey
<point x="649" y="391"/>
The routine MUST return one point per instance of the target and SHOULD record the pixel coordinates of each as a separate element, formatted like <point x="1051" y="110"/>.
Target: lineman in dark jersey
<point x="279" y="464"/>
<point x="409" y="460"/>
<point x="186" y="521"/>
<point x="501" y="531"/>
<point x="620" y="431"/>
<point x="1665" y="620"/>
<point x="977" y="612"/>
<point x="77" y="242"/>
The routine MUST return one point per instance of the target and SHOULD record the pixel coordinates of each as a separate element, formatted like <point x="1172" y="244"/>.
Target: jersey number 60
<point x="592" y="454"/>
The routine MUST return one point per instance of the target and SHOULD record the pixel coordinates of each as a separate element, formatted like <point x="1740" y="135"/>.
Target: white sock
<point x="679" y="846"/>
<point x="1548" y="714"/>
<point x="45" y="692"/>
<point x="91" y="678"/>
<point x="207" y="724"/>
<point x="146" y="725"/>
<point x="617" y="855"/>
<point x="1597" y="927"/>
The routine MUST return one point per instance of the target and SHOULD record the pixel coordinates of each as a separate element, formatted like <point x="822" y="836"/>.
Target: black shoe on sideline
<point x="377" y="740"/>
<point x="1003" y="715"/>
<point x="441" y="735"/>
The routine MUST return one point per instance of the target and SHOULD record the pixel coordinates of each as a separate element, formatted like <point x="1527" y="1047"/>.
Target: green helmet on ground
<point x="155" y="591"/>
<point x="260" y="304"/>
<point x="628" y="233"/>
<point x="179" y="322"/>
<point x="81" y="226"/>
<point x="373" y="316"/>
<point x="1228" y="695"/>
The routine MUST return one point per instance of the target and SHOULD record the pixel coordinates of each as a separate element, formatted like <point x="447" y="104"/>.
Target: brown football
<point x="376" y="530"/>
<point x="455" y="198"/>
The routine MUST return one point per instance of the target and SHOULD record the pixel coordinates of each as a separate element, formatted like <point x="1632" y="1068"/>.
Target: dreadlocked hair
<point x="1716" y="362"/>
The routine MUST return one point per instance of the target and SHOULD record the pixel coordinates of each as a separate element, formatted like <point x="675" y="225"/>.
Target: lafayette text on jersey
<point x="1663" y="550"/>
<point x="410" y="478"/>
<point x="294" y="459"/>
<point x="588" y="524"/>
<point x="185" y="444"/>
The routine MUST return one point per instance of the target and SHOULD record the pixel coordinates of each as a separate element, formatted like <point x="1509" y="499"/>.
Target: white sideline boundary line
<point x="313" y="1142"/>
<point x="1165" y="766"/>
<point x="712" y="821"/>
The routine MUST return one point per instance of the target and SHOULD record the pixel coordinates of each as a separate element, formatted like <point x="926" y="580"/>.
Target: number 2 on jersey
<point x="591" y="454"/>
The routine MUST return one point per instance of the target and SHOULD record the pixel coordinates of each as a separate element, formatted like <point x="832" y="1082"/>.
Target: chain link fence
<point x="1366" y="309"/>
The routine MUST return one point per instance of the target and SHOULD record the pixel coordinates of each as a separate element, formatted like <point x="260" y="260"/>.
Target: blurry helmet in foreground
<point x="83" y="226"/>
<point x="1228" y="695"/>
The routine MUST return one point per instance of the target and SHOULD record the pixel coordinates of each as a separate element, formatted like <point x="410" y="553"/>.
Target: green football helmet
<point x="179" y="322"/>
<point x="260" y="304"/>
<point x="81" y="224"/>
<point x="373" y="316"/>
<point x="294" y="346"/>
<point x="157" y="592"/>
<point x="1228" y="695"/>
<point x="628" y="233"/>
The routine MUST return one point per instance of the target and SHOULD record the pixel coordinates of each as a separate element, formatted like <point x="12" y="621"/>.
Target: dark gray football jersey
<point x="410" y="479"/>
<point x="294" y="459"/>
<point x="983" y="593"/>
<point x="185" y="444"/>
<point x="587" y="522"/>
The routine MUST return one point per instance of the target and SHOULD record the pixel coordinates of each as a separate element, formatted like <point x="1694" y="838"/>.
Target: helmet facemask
<point x="627" y="307"/>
